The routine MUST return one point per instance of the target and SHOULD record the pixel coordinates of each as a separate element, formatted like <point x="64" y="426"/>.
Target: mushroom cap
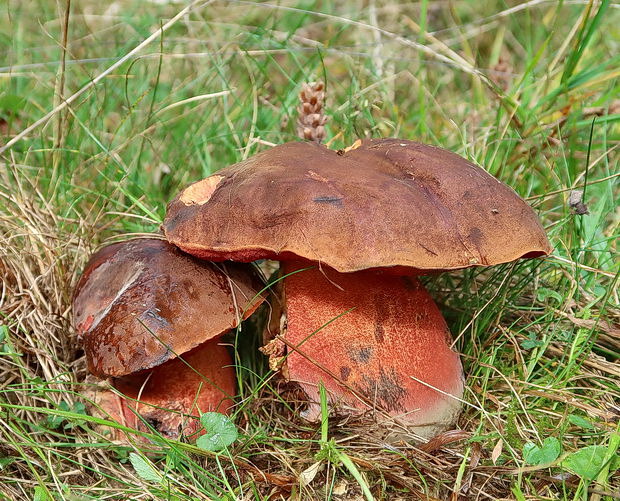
<point x="168" y="396"/>
<point x="141" y="302"/>
<point x="388" y="203"/>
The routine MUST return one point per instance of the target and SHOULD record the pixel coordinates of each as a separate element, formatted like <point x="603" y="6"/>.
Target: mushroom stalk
<point x="375" y="341"/>
<point x="169" y="398"/>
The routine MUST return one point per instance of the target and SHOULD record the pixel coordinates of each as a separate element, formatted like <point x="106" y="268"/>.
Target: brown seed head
<point x="311" y="120"/>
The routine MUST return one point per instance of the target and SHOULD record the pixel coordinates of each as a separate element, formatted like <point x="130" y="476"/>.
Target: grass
<point x="530" y="91"/>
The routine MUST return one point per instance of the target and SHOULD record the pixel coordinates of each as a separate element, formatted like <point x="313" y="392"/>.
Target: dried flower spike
<point x="503" y="73"/>
<point x="311" y="119"/>
<point x="575" y="202"/>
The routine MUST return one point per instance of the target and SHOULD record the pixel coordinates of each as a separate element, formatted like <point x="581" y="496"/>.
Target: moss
<point x="512" y="430"/>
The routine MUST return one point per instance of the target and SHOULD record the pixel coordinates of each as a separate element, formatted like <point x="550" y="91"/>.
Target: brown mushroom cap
<point x="142" y="302"/>
<point x="169" y="396"/>
<point x="387" y="203"/>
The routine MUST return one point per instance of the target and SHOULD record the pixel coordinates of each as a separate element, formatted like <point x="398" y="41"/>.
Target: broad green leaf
<point x="547" y="453"/>
<point x="220" y="432"/>
<point x="144" y="469"/>
<point x="589" y="461"/>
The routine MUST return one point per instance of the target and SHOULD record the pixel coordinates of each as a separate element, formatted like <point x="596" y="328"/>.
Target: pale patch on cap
<point x="200" y="193"/>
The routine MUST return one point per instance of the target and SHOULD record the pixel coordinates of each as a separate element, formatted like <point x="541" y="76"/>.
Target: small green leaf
<point x="144" y="469"/>
<point x="581" y="422"/>
<point x="220" y="432"/>
<point x="52" y="421"/>
<point x="531" y="342"/>
<point x="79" y="408"/>
<point x="5" y="344"/>
<point x="543" y="293"/>
<point x="6" y="461"/>
<point x="586" y="314"/>
<point x="589" y="461"/>
<point x="40" y="494"/>
<point x="547" y="453"/>
<point x="518" y="493"/>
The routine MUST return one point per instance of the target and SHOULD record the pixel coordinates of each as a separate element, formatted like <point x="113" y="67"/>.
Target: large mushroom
<point x="150" y="317"/>
<point x="365" y="221"/>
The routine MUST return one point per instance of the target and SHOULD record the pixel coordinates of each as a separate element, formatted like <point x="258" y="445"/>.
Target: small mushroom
<point x="166" y="398"/>
<point x="150" y="317"/>
<point x="367" y="220"/>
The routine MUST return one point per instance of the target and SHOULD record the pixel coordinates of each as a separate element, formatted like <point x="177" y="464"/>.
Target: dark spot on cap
<point x="475" y="235"/>
<point x="345" y="372"/>
<point x="336" y="201"/>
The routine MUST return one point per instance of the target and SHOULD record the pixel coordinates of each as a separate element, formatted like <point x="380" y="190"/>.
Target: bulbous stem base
<point x="375" y="341"/>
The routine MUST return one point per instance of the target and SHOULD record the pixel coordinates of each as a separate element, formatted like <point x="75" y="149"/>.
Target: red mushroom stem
<point x="374" y="340"/>
<point x="169" y="398"/>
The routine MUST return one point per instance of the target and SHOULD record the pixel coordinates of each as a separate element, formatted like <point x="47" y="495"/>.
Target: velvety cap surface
<point x="387" y="203"/>
<point x="140" y="302"/>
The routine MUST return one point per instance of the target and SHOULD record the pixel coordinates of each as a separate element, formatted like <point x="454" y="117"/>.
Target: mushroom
<point x="150" y="317"/>
<point x="366" y="220"/>
<point x="167" y="397"/>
